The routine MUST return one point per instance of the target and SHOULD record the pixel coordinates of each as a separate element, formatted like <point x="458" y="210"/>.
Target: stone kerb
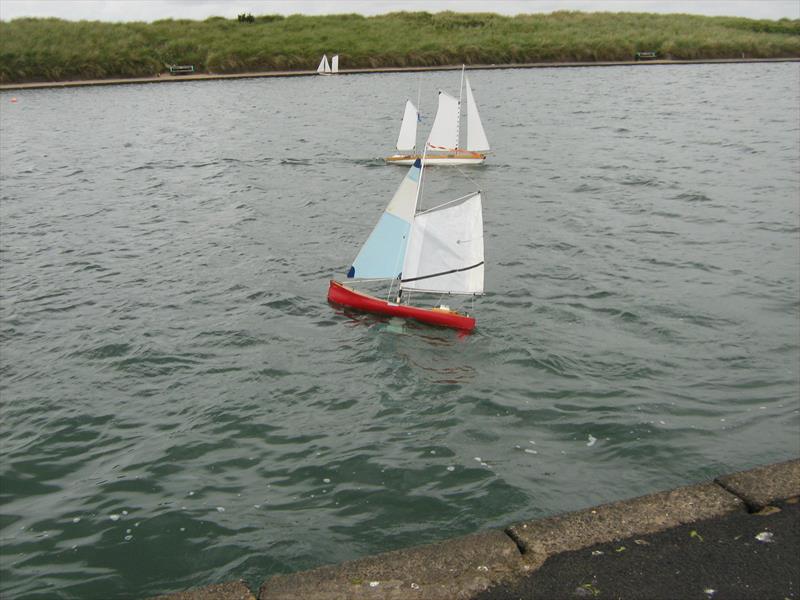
<point x="543" y="538"/>
<point x="232" y="590"/>
<point x="763" y="485"/>
<point x="450" y="570"/>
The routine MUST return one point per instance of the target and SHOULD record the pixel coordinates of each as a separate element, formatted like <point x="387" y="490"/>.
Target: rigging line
<point x="475" y="266"/>
<point x="449" y="202"/>
<point x="472" y="181"/>
<point x="419" y="95"/>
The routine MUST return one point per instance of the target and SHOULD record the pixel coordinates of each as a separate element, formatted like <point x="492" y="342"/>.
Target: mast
<point x="411" y="229"/>
<point x="419" y="98"/>
<point x="458" y="120"/>
<point x="421" y="170"/>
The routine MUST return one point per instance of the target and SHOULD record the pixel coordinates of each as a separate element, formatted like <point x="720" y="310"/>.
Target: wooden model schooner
<point x="443" y="143"/>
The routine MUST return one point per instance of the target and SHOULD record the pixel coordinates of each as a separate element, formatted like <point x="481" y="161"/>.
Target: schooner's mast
<point x="458" y="119"/>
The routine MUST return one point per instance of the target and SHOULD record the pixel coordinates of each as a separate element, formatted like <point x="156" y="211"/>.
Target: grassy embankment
<point x="53" y="50"/>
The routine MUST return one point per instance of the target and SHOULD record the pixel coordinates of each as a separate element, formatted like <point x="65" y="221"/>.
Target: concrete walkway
<point x="734" y="537"/>
<point x="166" y="78"/>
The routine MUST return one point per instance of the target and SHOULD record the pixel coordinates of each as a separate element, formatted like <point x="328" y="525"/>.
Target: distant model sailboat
<point x="328" y="69"/>
<point x="434" y="251"/>
<point x="443" y="142"/>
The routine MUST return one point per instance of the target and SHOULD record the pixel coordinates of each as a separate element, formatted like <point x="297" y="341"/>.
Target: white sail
<point x="445" y="251"/>
<point x="476" y="136"/>
<point x="407" y="140"/>
<point x="444" y="133"/>
<point x="323" y="65"/>
<point x="335" y="63"/>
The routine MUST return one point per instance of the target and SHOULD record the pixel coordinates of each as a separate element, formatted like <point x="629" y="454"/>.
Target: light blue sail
<point x="381" y="256"/>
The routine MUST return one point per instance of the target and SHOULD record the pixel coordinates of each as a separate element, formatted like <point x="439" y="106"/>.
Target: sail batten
<point x="407" y="139"/>
<point x="476" y="136"/>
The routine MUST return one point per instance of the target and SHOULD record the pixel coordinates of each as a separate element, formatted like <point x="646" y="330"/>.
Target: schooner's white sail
<point x="324" y="67"/>
<point x="444" y="133"/>
<point x="445" y="250"/>
<point x="476" y="136"/>
<point x="407" y="140"/>
<point x="335" y="63"/>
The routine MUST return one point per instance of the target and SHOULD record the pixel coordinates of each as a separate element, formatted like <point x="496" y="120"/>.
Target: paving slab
<point x="643" y="515"/>
<point x="452" y="570"/>
<point x="232" y="590"/>
<point x="741" y="556"/>
<point x="763" y="485"/>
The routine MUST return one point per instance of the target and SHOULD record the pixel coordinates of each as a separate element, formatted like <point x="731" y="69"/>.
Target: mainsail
<point x="323" y="65"/>
<point x="382" y="254"/>
<point x="445" y="251"/>
<point x="335" y="63"/>
<point x="476" y="136"/>
<point x="407" y="140"/>
<point x="444" y="133"/>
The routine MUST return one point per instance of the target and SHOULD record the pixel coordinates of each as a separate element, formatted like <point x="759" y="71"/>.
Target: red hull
<point x="340" y="294"/>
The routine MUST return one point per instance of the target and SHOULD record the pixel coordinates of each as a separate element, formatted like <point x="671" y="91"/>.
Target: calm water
<point x="180" y="405"/>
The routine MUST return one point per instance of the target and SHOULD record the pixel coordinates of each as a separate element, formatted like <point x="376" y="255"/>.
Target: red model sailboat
<point x="436" y="251"/>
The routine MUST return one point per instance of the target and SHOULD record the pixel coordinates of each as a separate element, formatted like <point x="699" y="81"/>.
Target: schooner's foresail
<point x="381" y="256"/>
<point x="323" y="65"/>
<point x="445" y="250"/>
<point x="407" y="140"/>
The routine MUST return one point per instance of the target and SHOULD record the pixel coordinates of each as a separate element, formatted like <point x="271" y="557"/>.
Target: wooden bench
<point x="181" y="69"/>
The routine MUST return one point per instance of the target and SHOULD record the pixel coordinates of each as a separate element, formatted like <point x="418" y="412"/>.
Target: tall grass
<point x="52" y="49"/>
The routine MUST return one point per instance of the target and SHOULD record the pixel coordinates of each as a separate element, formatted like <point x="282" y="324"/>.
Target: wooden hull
<point x="461" y="157"/>
<point x="345" y="296"/>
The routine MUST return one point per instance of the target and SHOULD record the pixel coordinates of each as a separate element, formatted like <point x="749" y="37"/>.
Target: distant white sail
<point x="444" y="133"/>
<point x="476" y="136"/>
<point x="335" y="63"/>
<point x="445" y="251"/>
<point x="407" y="140"/>
<point x="323" y="65"/>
